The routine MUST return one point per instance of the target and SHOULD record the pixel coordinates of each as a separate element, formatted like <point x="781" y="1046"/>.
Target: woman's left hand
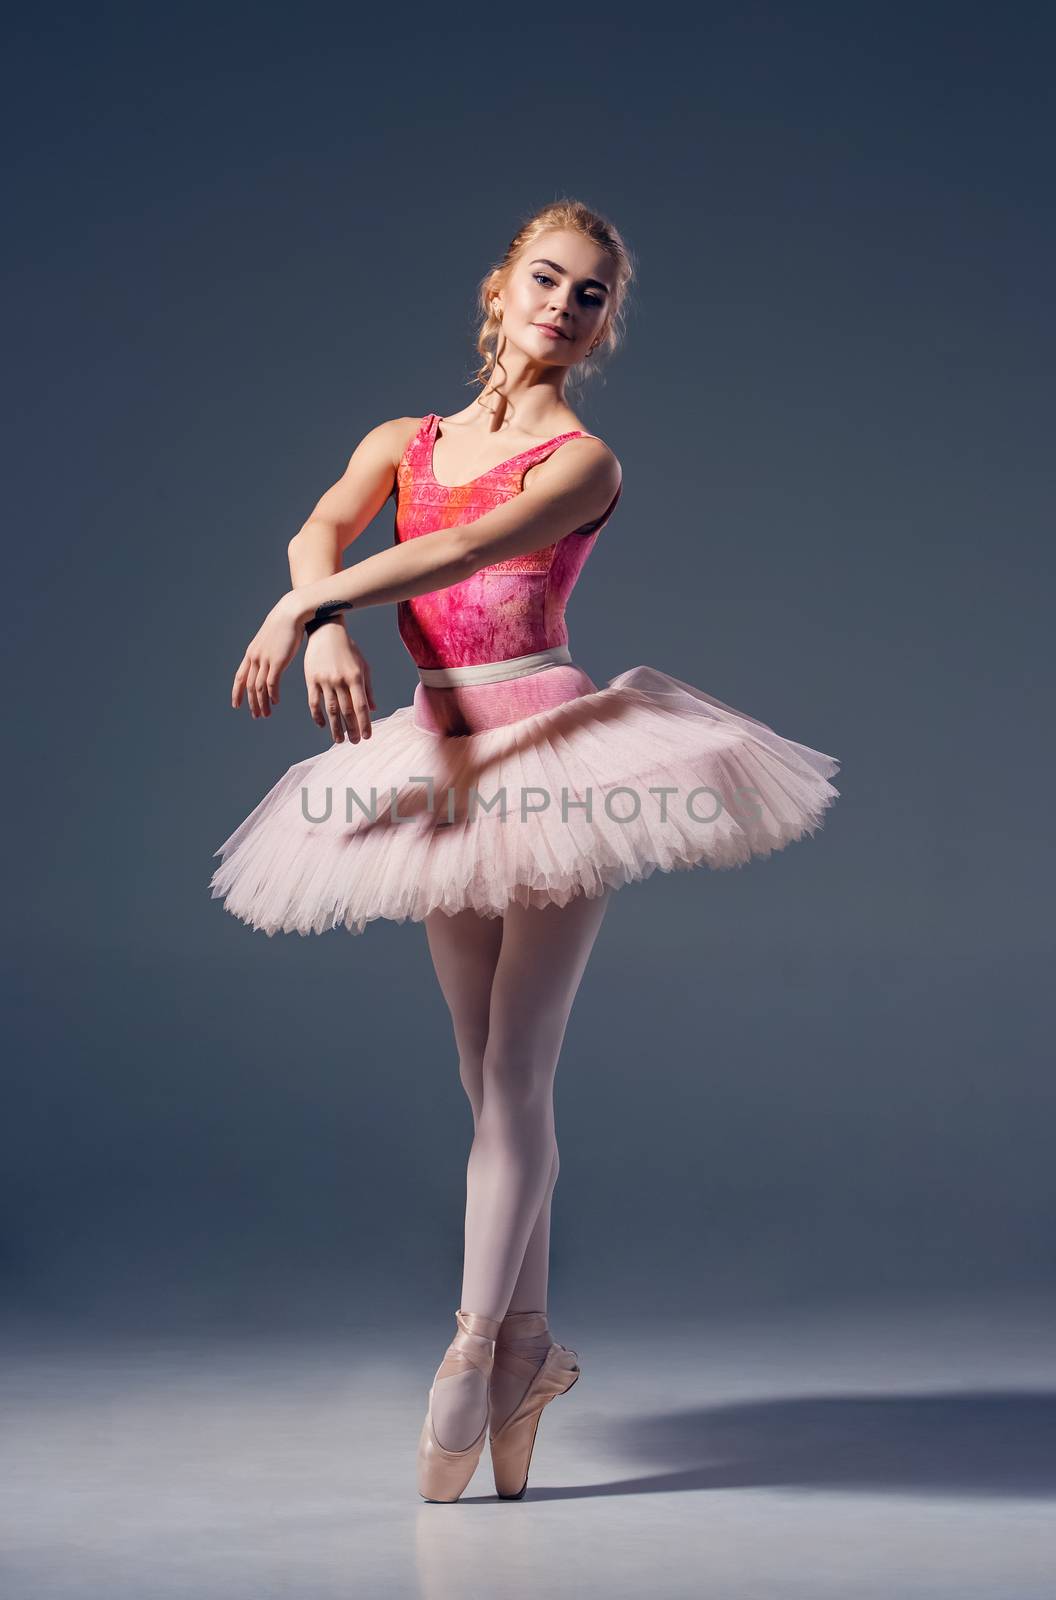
<point x="268" y="655"/>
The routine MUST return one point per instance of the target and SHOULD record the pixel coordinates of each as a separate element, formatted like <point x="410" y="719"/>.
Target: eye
<point x="590" y="299"/>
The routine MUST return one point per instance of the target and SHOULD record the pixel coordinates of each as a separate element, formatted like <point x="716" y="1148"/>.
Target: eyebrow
<point x="592" y="283"/>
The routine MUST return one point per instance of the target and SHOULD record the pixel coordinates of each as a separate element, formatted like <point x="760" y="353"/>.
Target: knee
<point x="518" y="1073"/>
<point x="471" y="1076"/>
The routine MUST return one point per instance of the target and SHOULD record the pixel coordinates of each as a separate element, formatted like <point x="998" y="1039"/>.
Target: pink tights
<point x="509" y="983"/>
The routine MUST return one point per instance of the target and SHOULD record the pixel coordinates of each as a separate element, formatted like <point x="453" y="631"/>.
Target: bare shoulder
<point x="593" y="448"/>
<point x="591" y="461"/>
<point x="389" y="440"/>
<point x="584" y="473"/>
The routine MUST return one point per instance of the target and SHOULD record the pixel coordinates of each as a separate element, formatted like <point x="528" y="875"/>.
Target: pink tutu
<point x="526" y="791"/>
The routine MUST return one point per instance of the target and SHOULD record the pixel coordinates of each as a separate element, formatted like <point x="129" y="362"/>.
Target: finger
<point x="263" y="678"/>
<point x="348" y="712"/>
<point x="273" y="685"/>
<point x="315" y="703"/>
<point x="361" y="708"/>
<point x="238" y="687"/>
<point x="333" y="711"/>
<point x="370" y="691"/>
<point x="261" y="684"/>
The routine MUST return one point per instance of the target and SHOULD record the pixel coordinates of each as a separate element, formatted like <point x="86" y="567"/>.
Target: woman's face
<point x="562" y="280"/>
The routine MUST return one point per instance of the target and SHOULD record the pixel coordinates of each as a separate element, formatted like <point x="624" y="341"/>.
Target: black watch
<point x="320" y="622"/>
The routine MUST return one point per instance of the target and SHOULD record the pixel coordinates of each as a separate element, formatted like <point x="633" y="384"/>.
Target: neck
<point x="522" y="392"/>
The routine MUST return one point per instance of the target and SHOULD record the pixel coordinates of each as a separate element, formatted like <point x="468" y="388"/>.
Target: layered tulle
<point x="564" y="801"/>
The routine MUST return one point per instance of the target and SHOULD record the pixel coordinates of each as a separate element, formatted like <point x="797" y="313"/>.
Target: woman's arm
<point x="349" y="505"/>
<point x="337" y="674"/>
<point x="564" y="495"/>
<point x="572" y="487"/>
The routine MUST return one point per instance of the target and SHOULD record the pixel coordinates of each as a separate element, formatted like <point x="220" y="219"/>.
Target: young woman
<point x="506" y="803"/>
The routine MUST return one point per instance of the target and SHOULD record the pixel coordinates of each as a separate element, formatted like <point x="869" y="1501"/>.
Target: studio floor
<point x="864" y="1455"/>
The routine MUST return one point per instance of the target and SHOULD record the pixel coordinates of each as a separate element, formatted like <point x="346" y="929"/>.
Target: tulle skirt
<point x="527" y="791"/>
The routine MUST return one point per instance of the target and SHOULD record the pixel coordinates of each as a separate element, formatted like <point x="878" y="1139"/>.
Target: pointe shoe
<point x="513" y="1442"/>
<point x="443" y="1474"/>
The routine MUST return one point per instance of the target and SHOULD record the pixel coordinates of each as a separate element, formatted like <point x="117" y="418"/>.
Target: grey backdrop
<point x="243" y="238"/>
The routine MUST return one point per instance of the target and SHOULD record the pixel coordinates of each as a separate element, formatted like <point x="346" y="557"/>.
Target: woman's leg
<point x="543" y="956"/>
<point x="515" y="979"/>
<point x="465" y="952"/>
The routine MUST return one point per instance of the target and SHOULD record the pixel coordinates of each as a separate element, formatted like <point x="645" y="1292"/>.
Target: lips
<point x="549" y="327"/>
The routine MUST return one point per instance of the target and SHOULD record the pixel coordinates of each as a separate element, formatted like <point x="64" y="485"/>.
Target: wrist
<point x="307" y="605"/>
<point x="296" y="607"/>
<point x="313" y="623"/>
<point x="300" y="605"/>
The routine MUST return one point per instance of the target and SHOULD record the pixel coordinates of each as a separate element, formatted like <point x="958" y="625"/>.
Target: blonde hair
<point x="578" y="218"/>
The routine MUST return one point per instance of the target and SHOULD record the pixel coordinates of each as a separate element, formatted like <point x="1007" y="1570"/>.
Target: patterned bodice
<point x="511" y="608"/>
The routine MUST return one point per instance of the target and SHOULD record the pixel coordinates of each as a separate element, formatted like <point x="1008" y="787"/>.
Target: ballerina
<point x="503" y="807"/>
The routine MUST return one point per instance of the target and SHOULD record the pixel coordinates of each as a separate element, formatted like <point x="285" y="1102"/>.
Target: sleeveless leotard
<point x="510" y="609"/>
<point x="583" y="787"/>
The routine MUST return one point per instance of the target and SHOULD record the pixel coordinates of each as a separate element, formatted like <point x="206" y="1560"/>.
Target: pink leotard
<point x="512" y="608"/>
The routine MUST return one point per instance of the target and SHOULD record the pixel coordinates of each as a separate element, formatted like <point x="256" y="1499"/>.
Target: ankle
<point x="480" y="1326"/>
<point x="524" y="1333"/>
<point x="523" y="1324"/>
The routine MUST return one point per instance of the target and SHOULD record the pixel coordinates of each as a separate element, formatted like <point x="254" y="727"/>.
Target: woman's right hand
<point x="337" y="673"/>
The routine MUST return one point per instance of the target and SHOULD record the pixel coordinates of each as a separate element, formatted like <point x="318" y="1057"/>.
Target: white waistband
<point x="495" y="671"/>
